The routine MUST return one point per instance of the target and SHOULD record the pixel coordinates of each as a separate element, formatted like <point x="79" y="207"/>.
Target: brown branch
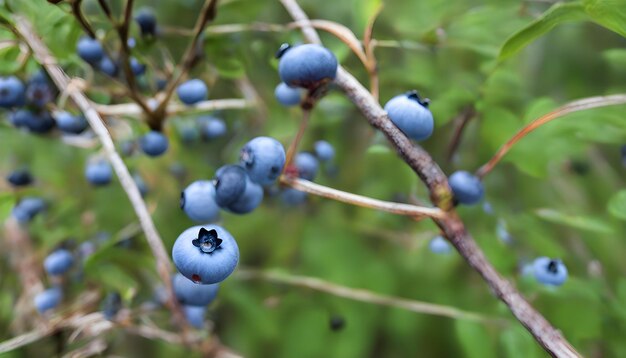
<point x="78" y="14"/>
<point x="364" y="295"/>
<point x="575" y="106"/>
<point x="45" y="58"/>
<point x="293" y="147"/>
<point x="359" y="200"/>
<point x="452" y="226"/>
<point x="106" y="9"/>
<point x="207" y="13"/>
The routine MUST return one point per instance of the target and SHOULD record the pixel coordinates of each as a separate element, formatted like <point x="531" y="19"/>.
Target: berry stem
<point x="575" y="106"/>
<point x="293" y="147"/>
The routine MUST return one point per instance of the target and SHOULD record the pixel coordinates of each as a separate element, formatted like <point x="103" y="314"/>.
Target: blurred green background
<point x="560" y="192"/>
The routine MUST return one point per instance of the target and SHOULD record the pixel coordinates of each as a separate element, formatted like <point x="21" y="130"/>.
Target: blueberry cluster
<point x="56" y="264"/>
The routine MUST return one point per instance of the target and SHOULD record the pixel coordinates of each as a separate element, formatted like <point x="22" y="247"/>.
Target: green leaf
<point x="577" y="222"/>
<point x="115" y="279"/>
<point x="474" y="339"/>
<point x="610" y="14"/>
<point x="556" y="15"/>
<point x="617" y="205"/>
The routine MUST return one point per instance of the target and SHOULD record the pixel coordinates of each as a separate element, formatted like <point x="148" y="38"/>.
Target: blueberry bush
<point x="270" y="178"/>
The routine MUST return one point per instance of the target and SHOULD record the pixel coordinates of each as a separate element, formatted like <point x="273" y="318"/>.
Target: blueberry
<point x="99" y="173"/>
<point x="127" y="147"/>
<point x="439" y="245"/>
<point x="188" y="133"/>
<point x="230" y="184"/>
<point x="20" y="177"/>
<point x="286" y="95"/>
<point x="411" y="115"/>
<point x="264" y="159"/>
<point x="39" y="94"/>
<point x="249" y="200"/>
<point x="307" y="165"/>
<point x="467" y="188"/>
<point x="90" y="50"/>
<point x="193" y="294"/>
<point x="336" y="323"/>
<point x="108" y="66"/>
<point x="154" y="143"/>
<point x="192" y="91"/>
<point x="58" y="262"/>
<point x="205" y="254"/>
<point x="141" y="184"/>
<point x="161" y="84"/>
<point x="137" y="67"/>
<point x="211" y="127"/>
<point x="549" y="271"/>
<point x="324" y="151"/>
<point x="195" y="315"/>
<point x="21" y="117"/>
<point x="502" y="232"/>
<point x="307" y="66"/>
<point x="198" y="201"/>
<point x="71" y="124"/>
<point x="111" y="305"/>
<point x="623" y="152"/>
<point x="40" y="123"/>
<point x="147" y="21"/>
<point x="12" y="92"/>
<point x="28" y="208"/>
<point x="293" y="197"/>
<point x="48" y="299"/>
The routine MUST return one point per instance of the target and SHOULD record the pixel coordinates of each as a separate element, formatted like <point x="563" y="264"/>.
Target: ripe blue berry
<point x="211" y="127"/>
<point x="195" y="315"/>
<point x="467" y="188"/>
<point x="154" y="143"/>
<point x="39" y="94"/>
<point x="12" y="92"/>
<point x="111" y="305"/>
<point x="21" y="117"/>
<point x="324" y="151"/>
<point x="307" y="66"/>
<point x="48" y="299"/>
<point x="40" y="123"/>
<point x="230" y="184"/>
<point x="90" y="50"/>
<point x="439" y="245"/>
<point x="147" y="22"/>
<point x="249" y="200"/>
<point x="411" y="115"/>
<point x="549" y="271"/>
<point x="307" y="165"/>
<point x="137" y="67"/>
<point x="70" y="123"/>
<point x="205" y="254"/>
<point x="108" y="67"/>
<point x="58" y="262"/>
<point x="198" y="201"/>
<point x="193" y="294"/>
<point x="286" y="95"/>
<point x="99" y="172"/>
<point x="192" y="91"/>
<point x="28" y="208"/>
<point x="293" y="197"/>
<point x="264" y="159"/>
<point x="20" y="177"/>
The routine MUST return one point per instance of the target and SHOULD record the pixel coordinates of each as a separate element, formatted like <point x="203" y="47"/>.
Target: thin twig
<point x="575" y="106"/>
<point x="207" y="13"/>
<point x="359" y="200"/>
<point x="452" y="226"/>
<point x="104" y="5"/>
<point x="293" y="147"/>
<point x="364" y="295"/>
<point x="78" y="14"/>
<point x="45" y="58"/>
<point x="460" y="122"/>
<point x="132" y="110"/>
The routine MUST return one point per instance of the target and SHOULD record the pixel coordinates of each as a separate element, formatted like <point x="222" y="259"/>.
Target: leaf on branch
<point x="556" y="15"/>
<point x="610" y="14"/>
<point x="617" y="205"/>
